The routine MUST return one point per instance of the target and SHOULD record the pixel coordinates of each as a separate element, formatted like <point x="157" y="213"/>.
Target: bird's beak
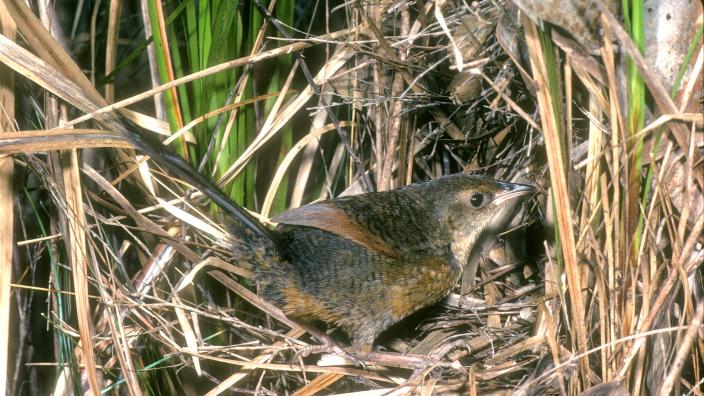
<point x="511" y="191"/>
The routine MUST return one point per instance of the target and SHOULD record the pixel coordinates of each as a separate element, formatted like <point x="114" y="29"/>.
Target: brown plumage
<point x="367" y="261"/>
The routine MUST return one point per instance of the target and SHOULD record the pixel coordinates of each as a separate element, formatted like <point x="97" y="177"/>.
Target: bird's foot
<point x="375" y="358"/>
<point x="414" y="362"/>
<point x="328" y="346"/>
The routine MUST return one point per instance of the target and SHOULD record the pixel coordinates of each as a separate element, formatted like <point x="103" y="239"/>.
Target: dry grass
<point x="599" y="280"/>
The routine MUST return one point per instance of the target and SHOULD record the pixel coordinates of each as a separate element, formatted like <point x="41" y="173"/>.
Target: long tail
<point x="166" y="158"/>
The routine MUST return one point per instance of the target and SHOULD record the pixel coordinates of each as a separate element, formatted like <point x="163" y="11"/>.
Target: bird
<point x="363" y="262"/>
<point x="367" y="261"/>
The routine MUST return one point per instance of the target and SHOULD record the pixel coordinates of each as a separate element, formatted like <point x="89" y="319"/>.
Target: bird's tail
<point x="161" y="154"/>
<point x="253" y="245"/>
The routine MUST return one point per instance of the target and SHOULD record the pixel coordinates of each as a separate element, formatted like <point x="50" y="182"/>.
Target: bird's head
<point x="471" y="206"/>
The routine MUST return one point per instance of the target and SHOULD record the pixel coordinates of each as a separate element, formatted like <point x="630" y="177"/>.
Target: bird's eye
<point x="477" y="200"/>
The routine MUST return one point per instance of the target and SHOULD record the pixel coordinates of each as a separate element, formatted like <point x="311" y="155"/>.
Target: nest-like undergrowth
<point x="126" y="280"/>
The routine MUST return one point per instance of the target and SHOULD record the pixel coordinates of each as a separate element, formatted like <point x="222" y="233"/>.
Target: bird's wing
<point x="393" y="223"/>
<point x="326" y="216"/>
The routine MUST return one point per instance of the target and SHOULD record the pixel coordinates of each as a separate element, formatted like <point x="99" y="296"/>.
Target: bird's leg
<point x="399" y="360"/>
<point x="361" y="354"/>
<point x="328" y="345"/>
<point x="362" y="348"/>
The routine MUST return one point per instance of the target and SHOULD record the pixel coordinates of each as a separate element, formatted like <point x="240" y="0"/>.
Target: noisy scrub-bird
<point x="365" y="262"/>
